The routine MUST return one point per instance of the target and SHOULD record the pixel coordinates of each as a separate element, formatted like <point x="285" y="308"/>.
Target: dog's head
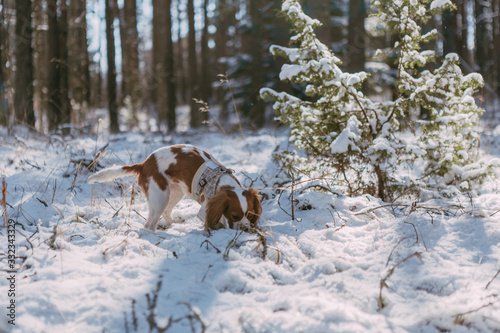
<point x="236" y="207"/>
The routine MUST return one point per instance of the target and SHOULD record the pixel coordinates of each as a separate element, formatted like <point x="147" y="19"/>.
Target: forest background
<point x="62" y="60"/>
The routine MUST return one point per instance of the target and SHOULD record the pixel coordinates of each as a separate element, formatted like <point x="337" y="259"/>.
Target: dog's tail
<point x="111" y="173"/>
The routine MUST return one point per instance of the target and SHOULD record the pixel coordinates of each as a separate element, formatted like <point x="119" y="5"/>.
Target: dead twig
<point x="320" y="186"/>
<point x="495" y="213"/>
<point x="370" y="210"/>
<point x="460" y="318"/>
<point x="415" y="229"/>
<point x="87" y="163"/>
<point x="151" y="318"/>
<point x="114" y="248"/>
<point x="232" y="243"/>
<point x="498" y="272"/>
<point x="4" y="201"/>
<point x="205" y="108"/>
<point x="194" y="315"/>
<point x="383" y="282"/>
<point x="208" y="242"/>
<point x="262" y="241"/>
<point x="279" y="204"/>
<point x="394" y="248"/>
<point x="204" y="276"/>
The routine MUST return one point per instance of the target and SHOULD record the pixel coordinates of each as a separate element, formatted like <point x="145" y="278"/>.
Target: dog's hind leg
<point x="176" y="194"/>
<point x="157" y="201"/>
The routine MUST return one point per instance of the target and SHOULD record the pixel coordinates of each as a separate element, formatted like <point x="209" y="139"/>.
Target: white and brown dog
<point x="170" y="173"/>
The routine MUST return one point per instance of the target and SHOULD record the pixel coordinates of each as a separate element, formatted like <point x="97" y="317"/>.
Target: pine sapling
<point x="365" y="145"/>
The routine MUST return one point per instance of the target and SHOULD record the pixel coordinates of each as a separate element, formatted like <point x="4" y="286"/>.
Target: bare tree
<point x="130" y="57"/>
<point x="170" y="70"/>
<point x="159" y="51"/>
<point x="224" y="16"/>
<point x="181" y="72"/>
<point x="460" y="24"/>
<point x="39" y="48"/>
<point x="205" y="57"/>
<point x="496" y="45"/>
<point x="257" y="73"/>
<point x="4" y="117"/>
<point x="63" y="63"/>
<point x="449" y="31"/>
<point x="110" y="46"/>
<point x="24" y="73"/>
<point x="356" y="38"/>
<point x="193" y="68"/>
<point x="483" y="38"/>
<point x="97" y="92"/>
<point x="54" y="107"/>
<point x="78" y="60"/>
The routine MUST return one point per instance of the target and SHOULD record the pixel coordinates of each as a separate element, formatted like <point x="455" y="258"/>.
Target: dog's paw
<point x="178" y="219"/>
<point x="167" y="221"/>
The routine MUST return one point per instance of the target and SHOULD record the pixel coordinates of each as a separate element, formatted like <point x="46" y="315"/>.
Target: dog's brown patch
<point x="145" y="171"/>
<point x="188" y="162"/>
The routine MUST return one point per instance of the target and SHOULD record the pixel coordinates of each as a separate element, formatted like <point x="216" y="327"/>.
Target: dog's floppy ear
<point x="254" y="216"/>
<point x="215" y="208"/>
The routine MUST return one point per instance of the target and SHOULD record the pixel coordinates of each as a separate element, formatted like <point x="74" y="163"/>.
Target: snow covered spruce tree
<point x="344" y="134"/>
<point x="448" y="141"/>
<point x="365" y="143"/>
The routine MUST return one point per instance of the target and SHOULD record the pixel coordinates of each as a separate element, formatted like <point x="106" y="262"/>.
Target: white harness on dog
<point x="206" y="180"/>
<point x="206" y="183"/>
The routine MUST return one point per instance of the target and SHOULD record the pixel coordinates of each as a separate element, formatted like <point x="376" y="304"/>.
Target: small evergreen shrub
<point x="366" y="145"/>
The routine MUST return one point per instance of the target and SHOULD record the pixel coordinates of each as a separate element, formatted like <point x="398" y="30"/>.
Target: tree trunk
<point x="23" y="83"/>
<point x="381" y="180"/>
<point x="98" y="86"/>
<point x="449" y="31"/>
<point x="78" y="60"/>
<point x="181" y="73"/>
<point x="206" y="86"/>
<point x="257" y="72"/>
<point x="159" y="51"/>
<point x="496" y="45"/>
<point x="460" y="29"/>
<point x="170" y="70"/>
<point x="130" y="58"/>
<point x="63" y="63"/>
<point x="221" y="51"/>
<point x="4" y="115"/>
<point x="483" y="38"/>
<point x="467" y="30"/>
<point x="39" y="47"/>
<point x="110" y="46"/>
<point x="124" y="52"/>
<point x="356" y="39"/>
<point x="193" y="68"/>
<point x="54" y="107"/>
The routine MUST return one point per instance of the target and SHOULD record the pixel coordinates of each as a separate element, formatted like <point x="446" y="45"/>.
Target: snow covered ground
<point x="343" y="264"/>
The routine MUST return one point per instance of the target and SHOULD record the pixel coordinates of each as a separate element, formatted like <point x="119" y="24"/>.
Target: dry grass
<point x="4" y="202"/>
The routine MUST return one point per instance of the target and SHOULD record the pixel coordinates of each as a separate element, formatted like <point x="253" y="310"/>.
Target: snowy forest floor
<point x="343" y="264"/>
